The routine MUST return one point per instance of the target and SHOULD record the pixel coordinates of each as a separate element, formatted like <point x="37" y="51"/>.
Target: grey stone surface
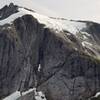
<point x="8" y="10"/>
<point x="66" y="73"/>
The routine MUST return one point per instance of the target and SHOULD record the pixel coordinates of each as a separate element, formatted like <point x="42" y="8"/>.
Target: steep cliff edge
<point x="57" y="56"/>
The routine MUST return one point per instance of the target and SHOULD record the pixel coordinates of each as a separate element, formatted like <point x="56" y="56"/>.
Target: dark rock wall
<point x="65" y="74"/>
<point x="8" y="10"/>
<point x="19" y="54"/>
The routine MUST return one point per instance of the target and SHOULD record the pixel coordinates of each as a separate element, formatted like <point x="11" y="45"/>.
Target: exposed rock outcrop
<point x="66" y="73"/>
<point x="8" y="10"/>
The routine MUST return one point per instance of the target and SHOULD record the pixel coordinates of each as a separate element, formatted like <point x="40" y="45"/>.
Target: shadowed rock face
<point x="65" y="74"/>
<point x="19" y="54"/>
<point x="8" y="10"/>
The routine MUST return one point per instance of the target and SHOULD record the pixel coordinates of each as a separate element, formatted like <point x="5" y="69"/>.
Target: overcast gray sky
<point x="71" y="9"/>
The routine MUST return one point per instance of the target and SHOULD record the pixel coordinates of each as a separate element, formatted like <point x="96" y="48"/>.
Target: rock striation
<point x="68" y="70"/>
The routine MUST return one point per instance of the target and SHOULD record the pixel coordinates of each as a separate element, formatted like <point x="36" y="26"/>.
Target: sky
<point x="69" y="9"/>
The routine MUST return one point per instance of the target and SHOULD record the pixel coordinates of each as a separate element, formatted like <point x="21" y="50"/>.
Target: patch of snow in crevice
<point x="9" y="27"/>
<point x="85" y="43"/>
<point x="97" y="94"/>
<point x="85" y="35"/>
<point x="30" y="90"/>
<point x="92" y="48"/>
<point x="76" y="49"/>
<point x="39" y="67"/>
<point x="39" y="96"/>
<point x="95" y="97"/>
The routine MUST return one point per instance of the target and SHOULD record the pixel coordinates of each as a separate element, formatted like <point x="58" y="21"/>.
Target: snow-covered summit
<point x="59" y="25"/>
<point x="35" y="50"/>
<point x="17" y="2"/>
<point x="54" y="23"/>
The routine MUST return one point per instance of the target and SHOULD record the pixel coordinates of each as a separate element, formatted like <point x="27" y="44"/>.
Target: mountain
<point x="59" y="58"/>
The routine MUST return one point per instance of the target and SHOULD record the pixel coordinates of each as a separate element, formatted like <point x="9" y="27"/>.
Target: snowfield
<point x="59" y="25"/>
<point x="56" y="24"/>
<point x="14" y="96"/>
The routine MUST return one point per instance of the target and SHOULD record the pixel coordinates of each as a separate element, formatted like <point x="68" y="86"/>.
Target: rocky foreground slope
<point x="59" y="57"/>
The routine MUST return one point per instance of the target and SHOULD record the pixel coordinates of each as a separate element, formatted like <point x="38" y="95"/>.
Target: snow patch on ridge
<point x="17" y="94"/>
<point x="14" y="96"/>
<point x="11" y="18"/>
<point x="85" y="43"/>
<point x="97" y="94"/>
<point x="56" y="24"/>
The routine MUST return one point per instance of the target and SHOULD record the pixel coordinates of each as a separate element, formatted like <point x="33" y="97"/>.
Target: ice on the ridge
<point x="96" y="96"/>
<point x="87" y="34"/>
<point x="51" y="23"/>
<point x="9" y="27"/>
<point x="72" y="26"/>
<point x="56" y="24"/>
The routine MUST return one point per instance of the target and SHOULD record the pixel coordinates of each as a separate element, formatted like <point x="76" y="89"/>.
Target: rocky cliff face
<point x="63" y="65"/>
<point x="6" y="11"/>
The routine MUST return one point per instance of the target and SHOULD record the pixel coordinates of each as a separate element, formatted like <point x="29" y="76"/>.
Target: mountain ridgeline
<point x="63" y="62"/>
